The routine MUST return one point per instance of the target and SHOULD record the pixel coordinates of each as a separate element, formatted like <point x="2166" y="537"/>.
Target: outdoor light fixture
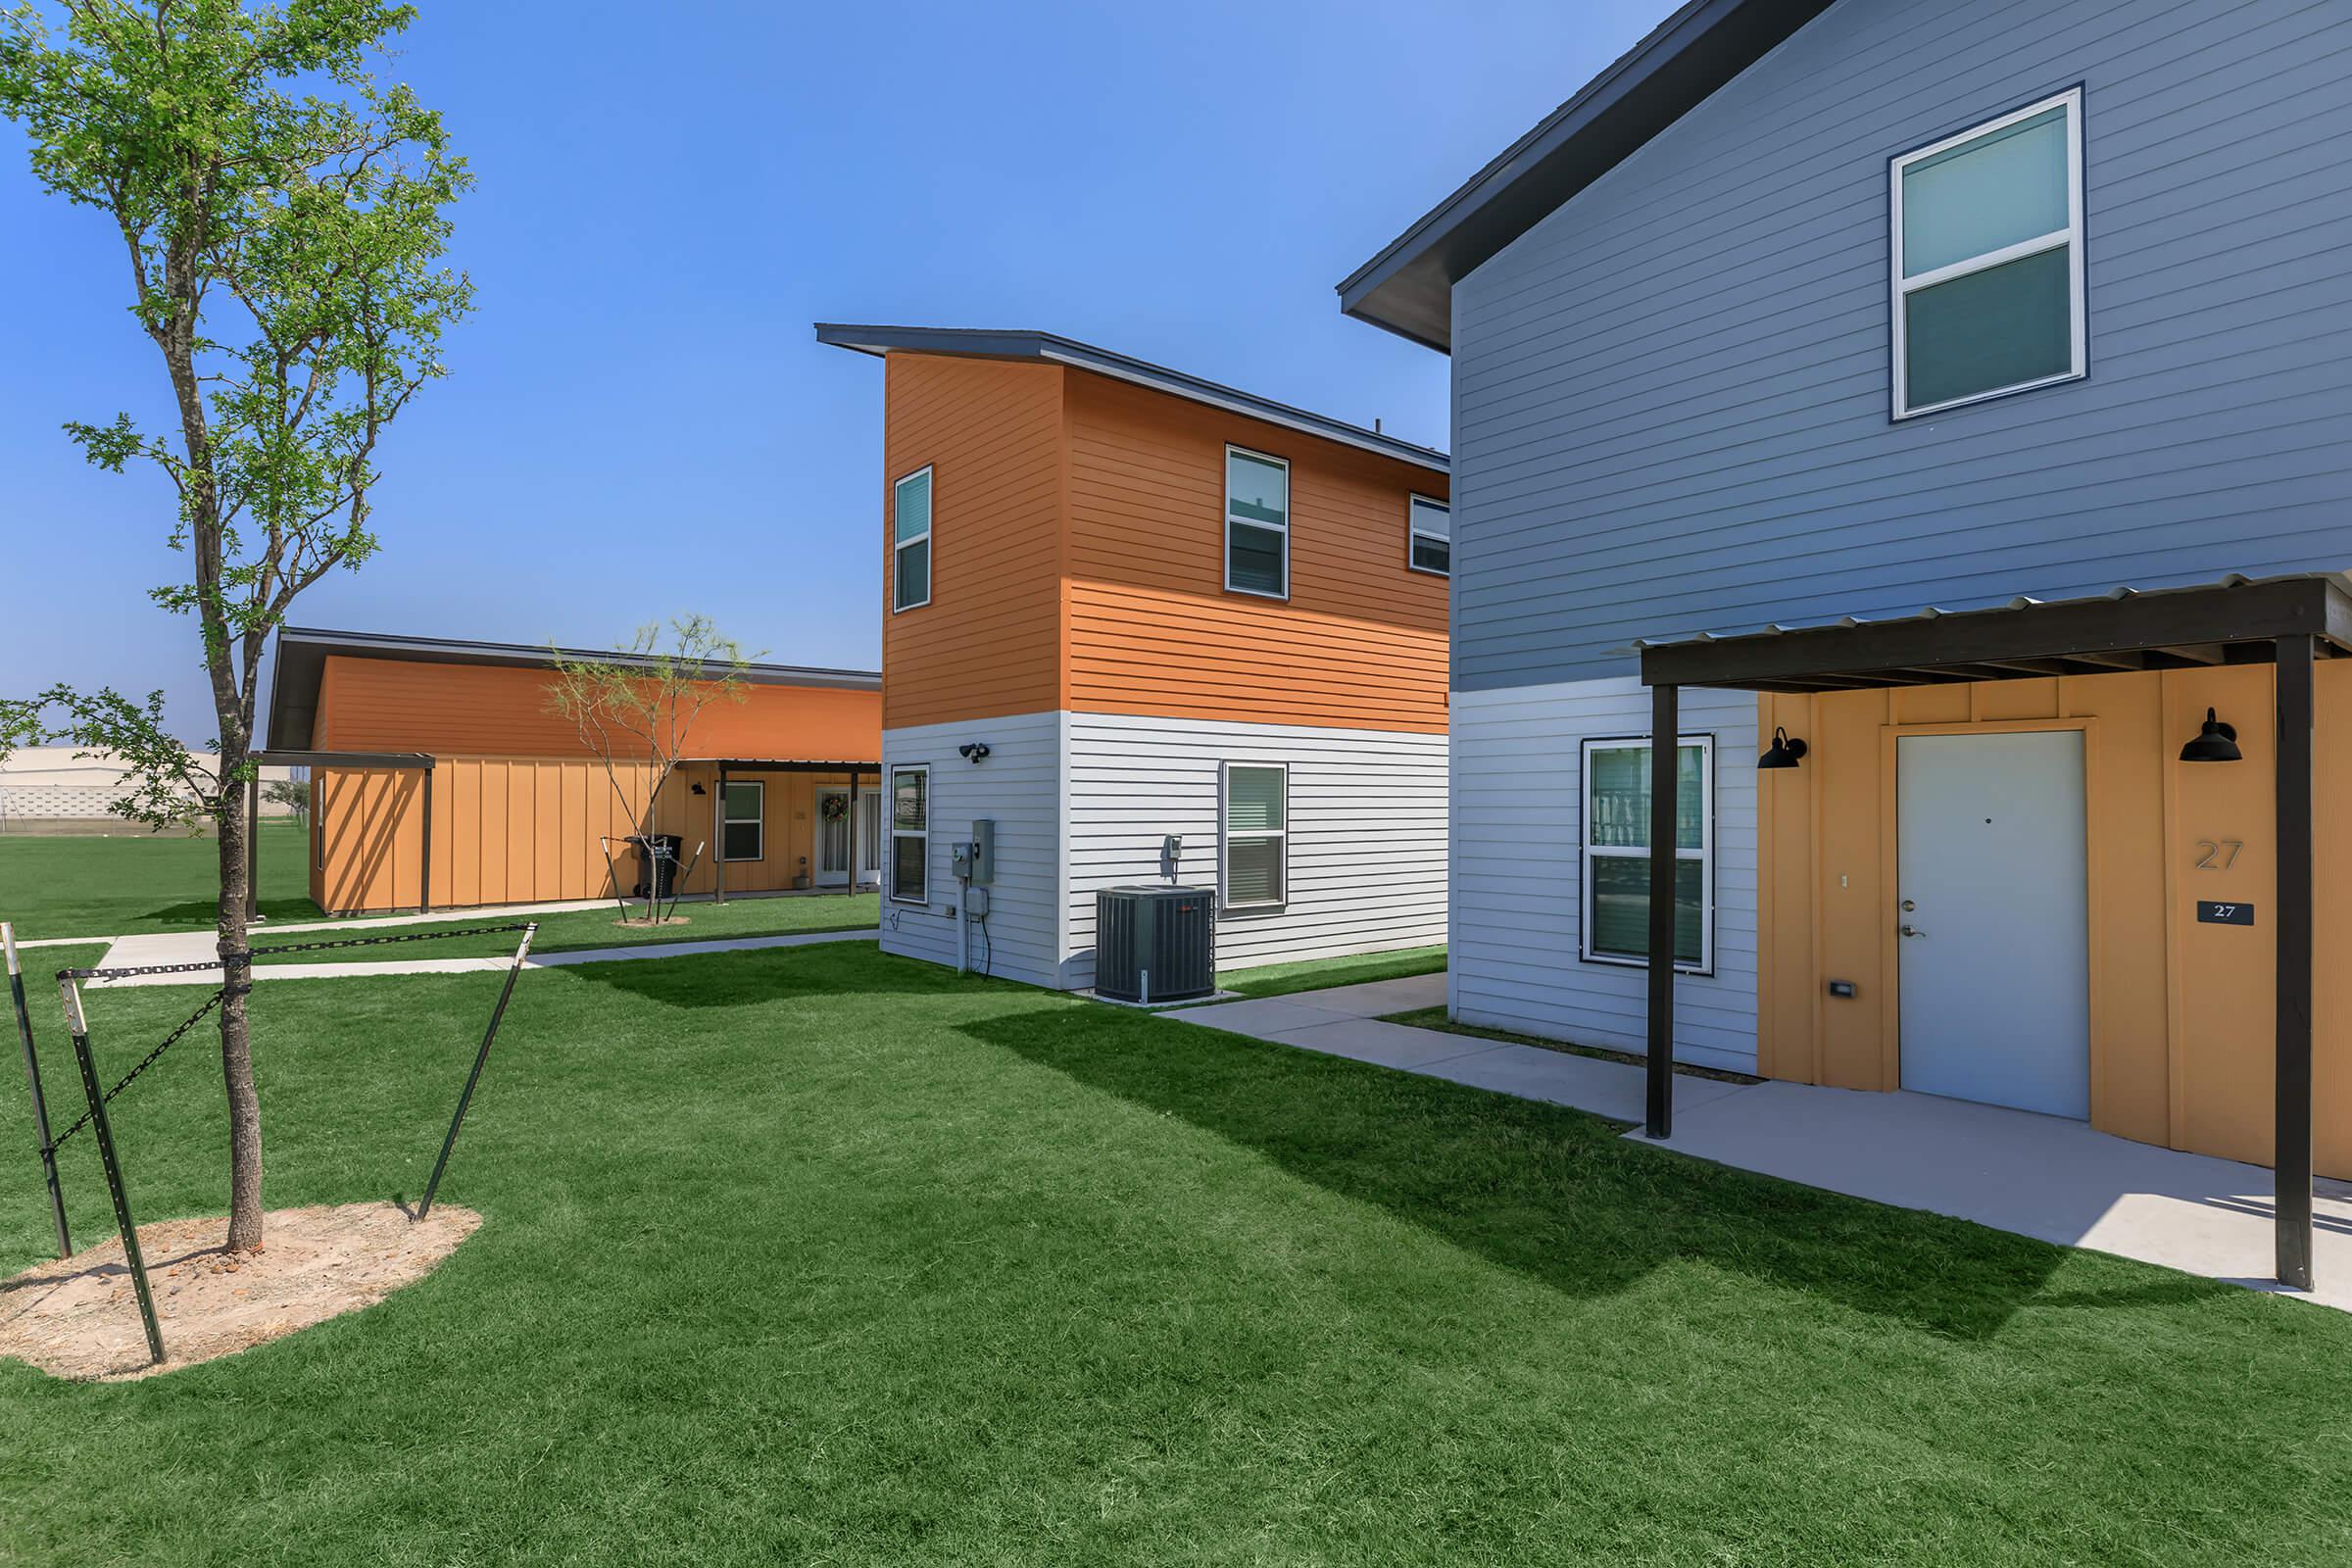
<point x="972" y="752"/>
<point x="1785" y="752"/>
<point x="2216" y="742"/>
<point x="699" y="790"/>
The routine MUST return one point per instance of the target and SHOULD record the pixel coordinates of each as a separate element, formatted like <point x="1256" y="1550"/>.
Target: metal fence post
<point x="522" y="951"/>
<point x="80" y="1029"/>
<point x="32" y="1076"/>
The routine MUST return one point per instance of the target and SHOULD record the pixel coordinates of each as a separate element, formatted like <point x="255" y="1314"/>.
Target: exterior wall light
<point x="1785" y="753"/>
<point x="973" y="752"/>
<point x="699" y="790"/>
<point x="2216" y="742"/>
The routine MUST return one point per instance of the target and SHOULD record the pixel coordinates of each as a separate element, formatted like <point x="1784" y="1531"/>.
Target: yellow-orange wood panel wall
<point x="528" y="830"/>
<point x="519" y="804"/>
<point x="2183" y="1012"/>
<point x="1078" y="526"/>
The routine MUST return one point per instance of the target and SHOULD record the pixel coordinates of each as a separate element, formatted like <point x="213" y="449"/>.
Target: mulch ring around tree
<point x="78" y="1317"/>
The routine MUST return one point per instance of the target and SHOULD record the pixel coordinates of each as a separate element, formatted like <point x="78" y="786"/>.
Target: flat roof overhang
<point x="2290" y="622"/>
<point x="2237" y="620"/>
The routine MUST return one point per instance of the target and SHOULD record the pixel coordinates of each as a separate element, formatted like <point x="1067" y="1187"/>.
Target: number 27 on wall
<point x="2219" y="854"/>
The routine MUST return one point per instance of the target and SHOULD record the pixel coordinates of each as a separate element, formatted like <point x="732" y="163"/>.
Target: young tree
<point x="282" y="217"/>
<point x="294" y="793"/>
<point x="634" y="711"/>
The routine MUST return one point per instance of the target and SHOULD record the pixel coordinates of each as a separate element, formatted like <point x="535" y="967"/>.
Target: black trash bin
<point x="656" y="863"/>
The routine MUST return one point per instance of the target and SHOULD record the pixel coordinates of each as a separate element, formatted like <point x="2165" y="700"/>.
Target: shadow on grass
<point x="768" y="974"/>
<point x="200" y="914"/>
<point x="1555" y="1194"/>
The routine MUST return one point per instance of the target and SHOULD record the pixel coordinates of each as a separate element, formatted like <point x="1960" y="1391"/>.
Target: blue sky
<point x="638" y="421"/>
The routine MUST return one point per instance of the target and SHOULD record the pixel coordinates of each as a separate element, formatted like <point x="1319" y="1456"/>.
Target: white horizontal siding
<point x="1018" y="786"/>
<point x="1367" y="831"/>
<point x="1517" y="892"/>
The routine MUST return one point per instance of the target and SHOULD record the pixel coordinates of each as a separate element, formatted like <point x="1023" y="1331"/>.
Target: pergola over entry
<point x="2291" y="623"/>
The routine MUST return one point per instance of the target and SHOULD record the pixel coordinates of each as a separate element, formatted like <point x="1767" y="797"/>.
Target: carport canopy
<point x="2289" y="622"/>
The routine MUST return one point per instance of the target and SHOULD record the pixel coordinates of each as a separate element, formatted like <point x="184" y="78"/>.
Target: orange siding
<point x="990" y="640"/>
<point x="1361" y="640"/>
<point x="386" y="705"/>
<point x="518" y="802"/>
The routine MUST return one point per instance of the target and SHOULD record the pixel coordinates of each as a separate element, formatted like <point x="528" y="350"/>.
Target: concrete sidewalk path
<point x="490" y="962"/>
<point x="2041" y="1176"/>
<point x="1345" y="1021"/>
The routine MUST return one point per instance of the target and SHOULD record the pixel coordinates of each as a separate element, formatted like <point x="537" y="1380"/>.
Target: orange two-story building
<point x="441" y="779"/>
<point x="1122" y="603"/>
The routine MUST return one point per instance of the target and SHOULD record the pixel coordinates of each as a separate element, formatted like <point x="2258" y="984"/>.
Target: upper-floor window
<point x="1429" y="543"/>
<point x="1988" y="258"/>
<point x="911" y="541"/>
<point x="1257" y="523"/>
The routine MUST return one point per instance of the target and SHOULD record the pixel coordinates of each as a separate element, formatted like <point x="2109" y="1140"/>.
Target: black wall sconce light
<point x="1785" y="753"/>
<point x="2216" y="742"/>
<point x="699" y="790"/>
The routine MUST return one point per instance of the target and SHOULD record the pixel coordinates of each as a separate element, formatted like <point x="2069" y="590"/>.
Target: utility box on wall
<point x="1155" y="944"/>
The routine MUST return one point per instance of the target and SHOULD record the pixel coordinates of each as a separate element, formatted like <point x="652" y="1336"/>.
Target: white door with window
<point x="869" y="836"/>
<point x="833" y="837"/>
<point x="1992" y="919"/>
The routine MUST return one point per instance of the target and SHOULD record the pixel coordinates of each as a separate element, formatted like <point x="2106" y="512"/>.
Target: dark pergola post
<point x="718" y="835"/>
<point x="425" y="880"/>
<point x="1665" y="749"/>
<point x="253" y="843"/>
<point x="2292" y="1145"/>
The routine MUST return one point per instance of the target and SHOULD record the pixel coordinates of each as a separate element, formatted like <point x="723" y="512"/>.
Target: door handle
<point x="1910" y="931"/>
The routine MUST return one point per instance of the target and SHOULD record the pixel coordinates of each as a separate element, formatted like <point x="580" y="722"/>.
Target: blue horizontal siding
<point x="1670" y="396"/>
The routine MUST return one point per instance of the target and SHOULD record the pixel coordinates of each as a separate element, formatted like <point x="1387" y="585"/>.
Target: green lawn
<point x="137" y="882"/>
<point x="821" y="1255"/>
<point x="1313" y="974"/>
<point x="575" y="929"/>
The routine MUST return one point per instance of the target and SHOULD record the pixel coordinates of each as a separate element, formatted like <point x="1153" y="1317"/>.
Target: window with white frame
<point x="1616" y="853"/>
<point x="1987" y="253"/>
<point x="1428" y="525"/>
<point x="911" y="541"/>
<point x="743" y="820"/>
<point x="1253" y="844"/>
<point x="1257" y="523"/>
<point x="909" y="834"/>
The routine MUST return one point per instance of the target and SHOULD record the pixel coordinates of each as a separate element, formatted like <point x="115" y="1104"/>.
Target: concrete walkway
<point x="362" y="924"/>
<point x="1345" y="1021"/>
<point x="2039" y="1176"/>
<point x="537" y="960"/>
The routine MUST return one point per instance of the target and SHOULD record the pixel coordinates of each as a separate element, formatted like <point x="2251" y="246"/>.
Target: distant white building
<point x="51" y="783"/>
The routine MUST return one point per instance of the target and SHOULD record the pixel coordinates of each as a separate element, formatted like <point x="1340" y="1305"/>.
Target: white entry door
<point x="833" y="835"/>
<point x="870" y="837"/>
<point x="1992" y="919"/>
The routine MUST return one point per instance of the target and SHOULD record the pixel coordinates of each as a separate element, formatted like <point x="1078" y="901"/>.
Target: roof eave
<point x="1406" y="288"/>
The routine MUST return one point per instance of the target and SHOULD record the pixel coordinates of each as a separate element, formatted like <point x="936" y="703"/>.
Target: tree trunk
<point x="236" y="1044"/>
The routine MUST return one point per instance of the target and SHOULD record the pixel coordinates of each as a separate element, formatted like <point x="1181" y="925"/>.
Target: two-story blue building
<point x="1855" y="317"/>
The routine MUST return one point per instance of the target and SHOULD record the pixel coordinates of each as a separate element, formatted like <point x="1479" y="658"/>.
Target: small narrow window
<point x="1616" y="853"/>
<point x="911" y="541"/>
<point x="1257" y="523"/>
<point x="743" y="820"/>
<point x="1429" y="547"/>
<point x="1988" y="249"/>
<point x="1253" y="853"/>
<point x="909" y="834"/>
